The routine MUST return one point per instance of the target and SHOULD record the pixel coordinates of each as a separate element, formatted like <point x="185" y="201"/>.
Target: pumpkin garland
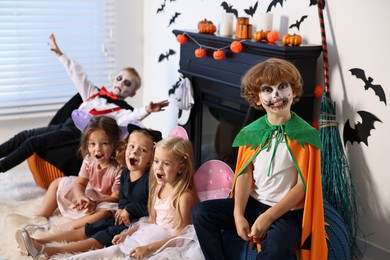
<point x="181" y="38"/>
<point x="200" y="52"/>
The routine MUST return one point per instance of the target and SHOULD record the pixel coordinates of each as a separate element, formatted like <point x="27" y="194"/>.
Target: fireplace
<point x="220" y="111"/>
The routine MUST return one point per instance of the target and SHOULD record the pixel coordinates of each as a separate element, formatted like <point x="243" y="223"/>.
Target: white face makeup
<point x="123" y="85"/>
<point x="277" y="96"/>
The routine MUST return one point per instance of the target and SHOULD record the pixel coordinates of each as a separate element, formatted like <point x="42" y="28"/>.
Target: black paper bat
<point x="362" y="130"/>
<point x="161" y="9"/>
<point x="251" y="10"/>
<point x="313" y="2"/>
<point x="174" y="87"/>
<point x="173" y="19"/>
<point x="229" y="9"/>
<point x="166" y="55"/>
<point x="298" y="23"/>
<point x="273" y="4"/>
<point x="378" y="90"/>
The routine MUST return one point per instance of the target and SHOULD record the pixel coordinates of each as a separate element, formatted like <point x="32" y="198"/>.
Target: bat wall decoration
<point x="173" y="19"/>
<point x="166" y="55"/>
<point x="362" y="130"/>
<point x="174" y="87"/>
<point x="273" y="4"/>
<point x="161" y="9"/>
<point x="298" y="23"/>
<point x="251" y="10"/>
<point x="229" y="9"/>
<point x="378" y="90"/>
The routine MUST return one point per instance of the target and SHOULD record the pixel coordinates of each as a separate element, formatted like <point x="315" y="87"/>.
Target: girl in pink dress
<point x="167" y="233"/>
<point x="94" y="193"/>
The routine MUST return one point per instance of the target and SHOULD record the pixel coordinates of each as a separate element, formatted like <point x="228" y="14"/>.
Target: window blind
<point x="33" y="82"/>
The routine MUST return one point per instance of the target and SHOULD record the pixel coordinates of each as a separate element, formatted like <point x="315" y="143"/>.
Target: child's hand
<point x="119" y="238"/>
<point x="53" y="45"/>
<point x="242" y="227"/>
<point x="261" y="226"/>
<point x="140" y="252"/>
<point x="91" y="206"/>
<point x="81" y="203"/>
<point x="156" y="107"/>
<point x="122" y="217"/>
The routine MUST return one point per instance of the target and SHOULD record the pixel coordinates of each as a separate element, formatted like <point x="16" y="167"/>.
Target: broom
<point x="337" y="183"/>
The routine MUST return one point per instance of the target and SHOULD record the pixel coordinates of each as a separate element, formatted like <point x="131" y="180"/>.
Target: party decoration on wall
<point x="166" y="55"/>
<point x="378" y="90"/>
<point x="173" y="19"/>
<point x="229" y="9"/>
<point x="182" y="39"/>
<point x="218" y="55"/>
<point x="236" y="47"/>
<point x="298" y="23"/>
<point x="273" y="4"/>
<point x="174" y="87"/>
<point x="362" y="130"/>
<point x="200" y="52"/>
<point x="293" y="40"/>
<point x="161" y="9"/>
<point x="251" y="10"/>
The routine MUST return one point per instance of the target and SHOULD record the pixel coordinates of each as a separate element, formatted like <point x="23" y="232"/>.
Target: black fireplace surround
<point x="216" y="83"/>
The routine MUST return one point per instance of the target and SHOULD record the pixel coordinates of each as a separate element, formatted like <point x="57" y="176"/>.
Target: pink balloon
<point x="179" y="131"/>
<point x="213" y="180"/>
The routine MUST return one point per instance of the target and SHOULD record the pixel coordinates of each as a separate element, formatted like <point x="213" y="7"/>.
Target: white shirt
<point x="282" y="176"/>
<point x="87" y="89"/>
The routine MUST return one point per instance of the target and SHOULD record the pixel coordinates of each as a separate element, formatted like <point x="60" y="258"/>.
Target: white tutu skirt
<point x="184" y="246"/>
<point x="66" y="199"/>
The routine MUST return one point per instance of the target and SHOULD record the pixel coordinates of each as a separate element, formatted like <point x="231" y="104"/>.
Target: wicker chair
<point x="43" y="172"/>
<point x="45" y="166"/>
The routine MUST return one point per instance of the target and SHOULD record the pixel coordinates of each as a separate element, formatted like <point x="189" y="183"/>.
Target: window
<point x="32" y="81"/>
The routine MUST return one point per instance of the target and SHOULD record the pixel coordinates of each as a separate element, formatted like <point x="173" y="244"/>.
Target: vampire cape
<point x="304" y="144"/>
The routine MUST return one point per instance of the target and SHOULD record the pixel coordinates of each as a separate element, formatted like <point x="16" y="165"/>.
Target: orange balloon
<point x="272" y="36"/>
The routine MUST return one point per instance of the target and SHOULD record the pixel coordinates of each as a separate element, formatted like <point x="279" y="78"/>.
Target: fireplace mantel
<point x="216" y="83"/>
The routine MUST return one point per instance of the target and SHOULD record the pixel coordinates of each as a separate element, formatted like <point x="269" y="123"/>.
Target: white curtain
<point x="32" y="81"/>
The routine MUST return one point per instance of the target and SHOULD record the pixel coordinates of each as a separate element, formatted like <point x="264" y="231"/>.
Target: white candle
<point x="266" y="21"/>
<point x="226" y="25"/>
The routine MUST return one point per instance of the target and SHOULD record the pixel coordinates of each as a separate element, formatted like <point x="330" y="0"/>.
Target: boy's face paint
<point x="123" y="85"/>
<point x="275" y="97"/>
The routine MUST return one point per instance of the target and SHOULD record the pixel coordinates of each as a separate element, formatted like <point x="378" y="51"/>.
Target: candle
<point x="266" y="21"/>
<point x="226" y="25"/>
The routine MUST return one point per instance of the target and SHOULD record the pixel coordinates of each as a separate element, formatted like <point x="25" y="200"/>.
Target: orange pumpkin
<point x="206" y="26"/>
<point x="218" y="55"/>
<point x="200" y="52"/>
<point x="293" y="40"/>
<point x="236" y="47"/>
<point x="182" y="39"/>
<point x="272" y="36"/>
<point x="259" y="36"/>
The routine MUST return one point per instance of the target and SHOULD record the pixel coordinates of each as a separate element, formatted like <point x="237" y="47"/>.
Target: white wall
<point x="356" y="39"/>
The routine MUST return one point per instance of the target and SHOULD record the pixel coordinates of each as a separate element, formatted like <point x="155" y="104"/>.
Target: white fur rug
<point x="20" y="194"/>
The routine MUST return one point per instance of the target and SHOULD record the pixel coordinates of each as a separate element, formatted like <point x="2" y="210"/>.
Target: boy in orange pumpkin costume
<point x="276" y="199"/>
